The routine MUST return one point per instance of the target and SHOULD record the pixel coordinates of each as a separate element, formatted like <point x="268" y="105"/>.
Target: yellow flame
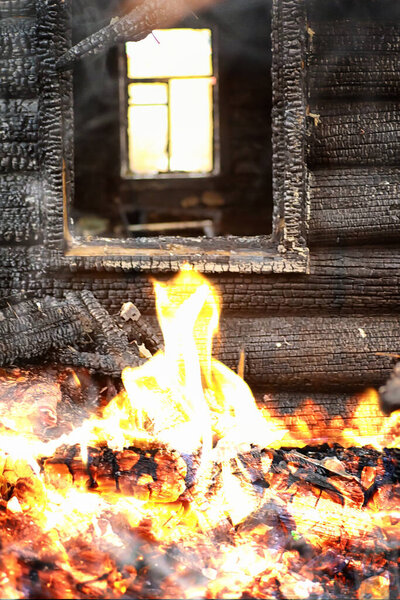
<point x="183" y="397"/>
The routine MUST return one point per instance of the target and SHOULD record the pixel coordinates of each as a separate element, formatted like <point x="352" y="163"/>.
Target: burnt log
<point x="354" y="206"/>
<point x="17" y="37"/>
<point x="108" y="364"/>
<point x="109" y="350"/>
<point x="77" y="332"/>
<point x="354" y="38"/>
<point x="155" y="474"/>
<point x="134" y="26"/>
<point x="55" y="125"/>
<point x="17" y="8"/>
<point x="37" y="329"/>
<point x="19" y="206"/>
<point x="358" y="76"/>
<point x="343" y="280"/>
<point x="300" y="404"/>
<point x="19" y="157"/>
<point x="19" y="121"/>
<point x="363" y="133"/>
<point x="349" y="58"/>
<point x="19" y="77"/>
<point x="311" y="352"/>
<point x="364" y="10"/>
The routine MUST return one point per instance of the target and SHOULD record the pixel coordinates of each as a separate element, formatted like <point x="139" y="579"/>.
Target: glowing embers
<point x="170" y="103"/>
<point x="181" y="487"/>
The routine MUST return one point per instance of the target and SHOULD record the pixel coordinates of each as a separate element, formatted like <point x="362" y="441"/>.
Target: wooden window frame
<point x="284" y="251"/>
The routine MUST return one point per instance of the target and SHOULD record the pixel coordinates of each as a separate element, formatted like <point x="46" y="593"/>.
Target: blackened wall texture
<point x="332" y="331"/>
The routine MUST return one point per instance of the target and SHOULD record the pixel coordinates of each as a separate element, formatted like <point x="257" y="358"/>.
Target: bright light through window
<point x="170" y="103"/>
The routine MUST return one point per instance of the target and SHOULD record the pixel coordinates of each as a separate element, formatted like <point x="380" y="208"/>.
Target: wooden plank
<point x="20" y="208"/>
<point x="363" y="133"/>
<point x="19" y="77"/>
<point x="354" y="206"/>
<point x="17" y="8"/>
<point x="343" y="280"/>
<point x="357" y="76"/>
<point x="17" y="37"/>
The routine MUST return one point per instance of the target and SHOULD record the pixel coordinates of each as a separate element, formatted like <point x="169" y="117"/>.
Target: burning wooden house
<point x="255" y="142"/>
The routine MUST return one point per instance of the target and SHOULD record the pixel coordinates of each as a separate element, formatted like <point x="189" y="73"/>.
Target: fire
<point x="182" y="487"/>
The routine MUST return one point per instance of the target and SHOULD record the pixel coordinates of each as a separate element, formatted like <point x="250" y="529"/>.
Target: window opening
<point x="209" y="176"/>
<point x="170" y="114"/>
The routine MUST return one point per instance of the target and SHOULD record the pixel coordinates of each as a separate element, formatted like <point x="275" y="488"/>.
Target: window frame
<point x="285" y="251"/>
<point x="124" y="81"/>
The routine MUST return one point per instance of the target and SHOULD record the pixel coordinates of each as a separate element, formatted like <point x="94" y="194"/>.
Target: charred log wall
<point x="20" y="181"/>
<point x="352" y="139"/>
<point x="311" y="332"/>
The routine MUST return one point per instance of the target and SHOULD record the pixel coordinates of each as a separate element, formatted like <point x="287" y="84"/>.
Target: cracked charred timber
<point x="77" y="331"/>
<point x="134" y="26"/>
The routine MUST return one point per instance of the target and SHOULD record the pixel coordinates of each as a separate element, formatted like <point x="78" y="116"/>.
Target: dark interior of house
<point x="235" y="197"/>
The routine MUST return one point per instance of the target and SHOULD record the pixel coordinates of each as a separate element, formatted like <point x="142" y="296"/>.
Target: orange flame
<point x="184" y="403"/>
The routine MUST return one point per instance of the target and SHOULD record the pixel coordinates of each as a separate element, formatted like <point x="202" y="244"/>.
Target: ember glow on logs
<point x="181" y="487"/>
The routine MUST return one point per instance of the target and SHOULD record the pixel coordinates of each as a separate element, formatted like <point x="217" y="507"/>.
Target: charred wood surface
<point x="19" y="121"/>
<point x="53" y="24"/>
<point x="358" y="76"/>
<point x="76" y="331"/>
<point x="111" y="363"/>
<point x="317" y="416"/>
<point x="312" y="352"/>
<point x="17" y="8"/>
<point x="341" y="281"/>
<point x="364" y="133"/>
<point x="352" y="37"/>
<point x="19" y="206"/>
<point x="357" y="205"/>
<point x="23" y="156"/>
<point x="50" y="326"/>
<point x="134" y="26"/>
<point x="17" y="37"/>
<point x="19" y="77"/>
<point x="288" y="122"/>
<point x="353" y="58"/>
<point x="363" y="10"/>
<point x="109" y="350"/>
<point x="302" y="404"/>
<point x="138" y="329"/>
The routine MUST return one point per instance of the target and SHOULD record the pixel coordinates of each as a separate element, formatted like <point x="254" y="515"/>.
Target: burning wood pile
<point x="176" y="484"/>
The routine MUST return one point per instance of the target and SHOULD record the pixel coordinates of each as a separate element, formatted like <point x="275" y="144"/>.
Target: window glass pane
<point x="191" y="118"/>
<point x="171" y="53"/>
<point x="148" y="93"/>
<point x="148" y="139"/>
